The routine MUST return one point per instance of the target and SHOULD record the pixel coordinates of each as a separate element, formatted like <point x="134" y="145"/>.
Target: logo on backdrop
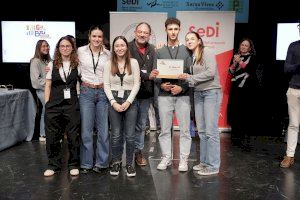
<point x="153" y="3"/>
<point x="37" y="30"/>
<point x="129" y="33"/>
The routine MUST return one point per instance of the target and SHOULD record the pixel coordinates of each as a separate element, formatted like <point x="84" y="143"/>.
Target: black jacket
<point x="146" y="62"/>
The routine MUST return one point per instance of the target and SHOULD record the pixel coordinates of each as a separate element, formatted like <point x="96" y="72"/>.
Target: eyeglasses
<point x="65" y="46"/>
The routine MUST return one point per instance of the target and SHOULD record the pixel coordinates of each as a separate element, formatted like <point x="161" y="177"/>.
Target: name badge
<point x="67" y="93"/>
<point x="120" y="93"/>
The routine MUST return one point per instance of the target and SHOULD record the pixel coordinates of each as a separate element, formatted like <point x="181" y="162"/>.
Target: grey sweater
<point x="205" y="76"/>
<point x="38" y="73"/>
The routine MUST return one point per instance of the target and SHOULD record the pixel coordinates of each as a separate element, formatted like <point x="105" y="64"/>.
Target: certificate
<point x="169" y="68"/>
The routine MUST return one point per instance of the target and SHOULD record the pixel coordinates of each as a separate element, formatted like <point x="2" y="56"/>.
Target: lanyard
<point x="171" y="53"/>
<point x="192" y="66"/>
<point x="121" y="76"/>
<point x="65" y="73"/>
<point x="95" y="65"/>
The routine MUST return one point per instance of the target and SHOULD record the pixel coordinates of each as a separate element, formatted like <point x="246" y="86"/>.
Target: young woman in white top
<point x="93" y="103"/>
<point x="121" y="84"/>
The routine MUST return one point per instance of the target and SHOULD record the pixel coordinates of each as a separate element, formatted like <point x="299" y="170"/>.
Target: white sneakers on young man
<point x="183" y="164"/>
<point x="164" y="163"/>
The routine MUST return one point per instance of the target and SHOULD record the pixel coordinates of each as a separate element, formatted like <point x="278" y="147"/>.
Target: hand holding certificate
<point x="169" y="68"/>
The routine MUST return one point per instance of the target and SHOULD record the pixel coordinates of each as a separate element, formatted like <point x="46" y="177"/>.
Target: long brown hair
<point x="38" y="54"/>
<point x="57" y="61"/>
<point x="114" y="58"/>
<point x="199" y="55"/>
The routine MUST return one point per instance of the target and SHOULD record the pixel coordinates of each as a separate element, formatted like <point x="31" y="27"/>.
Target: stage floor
<point x="253" y="174"/>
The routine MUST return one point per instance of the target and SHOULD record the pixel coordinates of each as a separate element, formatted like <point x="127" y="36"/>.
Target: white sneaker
<point x="42" y="139"/>
<point x="183" y="164"/>
<point x="164" y="163"/>
<point x="207" y="172"/>
<point x="74" y="172"/>
<point x="49" y="172"/>
<point x="199" y="167"/>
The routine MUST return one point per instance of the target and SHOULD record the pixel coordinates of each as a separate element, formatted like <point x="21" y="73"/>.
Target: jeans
<point x="94" y="113"/>
<point x="181" y="105"/>
<point x="123" y="126"/>
<point x="207" y="108"/>
<point x="41" y="95"/>
<point x="142" y="109"/>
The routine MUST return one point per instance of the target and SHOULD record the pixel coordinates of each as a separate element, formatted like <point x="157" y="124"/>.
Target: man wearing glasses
<point x="144" y="53"/>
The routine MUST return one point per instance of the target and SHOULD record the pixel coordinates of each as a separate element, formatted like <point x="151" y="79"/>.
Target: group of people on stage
<point x="116" y="90"/>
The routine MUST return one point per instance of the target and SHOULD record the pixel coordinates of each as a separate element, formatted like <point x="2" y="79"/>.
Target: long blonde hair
<point x="199" y="54"/>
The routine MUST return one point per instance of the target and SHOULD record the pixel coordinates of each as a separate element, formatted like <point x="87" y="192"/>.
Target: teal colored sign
<point x="171" y="6"/>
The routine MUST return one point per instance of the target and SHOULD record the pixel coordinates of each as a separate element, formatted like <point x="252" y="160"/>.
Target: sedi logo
<point x="130" y="2"/>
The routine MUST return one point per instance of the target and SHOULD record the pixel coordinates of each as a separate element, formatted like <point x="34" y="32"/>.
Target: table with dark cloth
<point x="17" y="116"/>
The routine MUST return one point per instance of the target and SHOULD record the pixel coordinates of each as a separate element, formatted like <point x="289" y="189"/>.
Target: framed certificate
<point x="169" y="68"/>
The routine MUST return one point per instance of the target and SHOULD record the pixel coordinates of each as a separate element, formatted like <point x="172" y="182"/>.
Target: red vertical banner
<point x="223" y="61"/>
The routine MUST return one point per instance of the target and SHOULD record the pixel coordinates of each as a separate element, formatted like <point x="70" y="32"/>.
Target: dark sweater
<point x="146" y="63"/>
<point x="292" y="64"/>
<point x="178" y="52"/>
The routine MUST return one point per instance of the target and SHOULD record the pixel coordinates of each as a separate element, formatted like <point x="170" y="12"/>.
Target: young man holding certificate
<point x="173" y="95"/>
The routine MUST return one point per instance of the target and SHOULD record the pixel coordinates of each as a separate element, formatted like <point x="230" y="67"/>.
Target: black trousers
<point x="60" y="119"/>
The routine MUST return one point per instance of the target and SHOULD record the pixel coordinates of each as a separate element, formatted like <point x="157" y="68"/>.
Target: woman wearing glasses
<point x="62" y="107"/>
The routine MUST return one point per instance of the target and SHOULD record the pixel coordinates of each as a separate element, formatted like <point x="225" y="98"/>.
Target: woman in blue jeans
<point x="204" y="78"/>
<point x="38" y="64"/>
<point x="121" y="85"/>
<point x="93" y="103"/>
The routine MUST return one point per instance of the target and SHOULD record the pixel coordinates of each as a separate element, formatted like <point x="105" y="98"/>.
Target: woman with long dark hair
<point x="243" y="94"/>
<point x="38" y="64"/>
<point x="121" y="85"/>
<point x="62" y="107"/>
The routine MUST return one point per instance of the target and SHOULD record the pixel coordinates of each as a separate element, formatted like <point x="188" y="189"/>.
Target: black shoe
<point x="100" y="170"/>
<point x="130" y="171"/>
<point x="115" y="170"/>
<point x="85" y="170"/>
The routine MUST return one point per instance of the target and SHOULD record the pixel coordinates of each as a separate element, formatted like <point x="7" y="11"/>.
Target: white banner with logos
<point x="124" y="23"/>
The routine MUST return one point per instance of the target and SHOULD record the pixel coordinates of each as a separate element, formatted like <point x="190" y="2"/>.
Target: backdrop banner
<point x="124" y="23"/>
<point x="241" y="7"/>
